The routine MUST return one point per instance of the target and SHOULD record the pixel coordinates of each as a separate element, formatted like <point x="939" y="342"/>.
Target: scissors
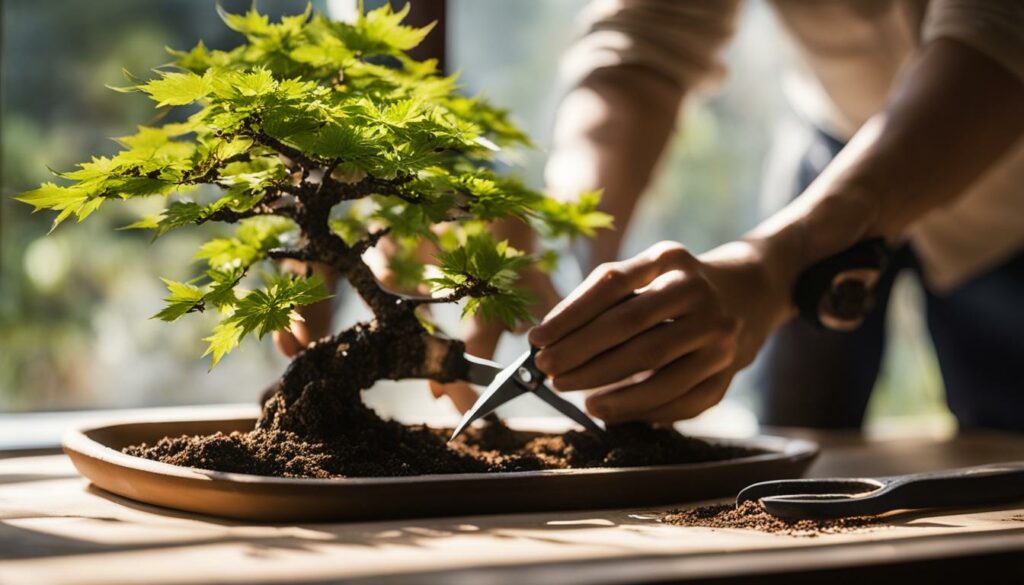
<point x="797" y="499"/>
<point x="505" y="383"/>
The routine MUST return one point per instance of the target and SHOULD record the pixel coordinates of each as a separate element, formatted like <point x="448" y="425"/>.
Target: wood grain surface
<point x="55" y="528"/>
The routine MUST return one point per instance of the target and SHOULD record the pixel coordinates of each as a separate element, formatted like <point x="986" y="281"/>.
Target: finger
<point x="606" y="287"/>
<point x="651" y="350"/>
<point x="462" y="395"/>
<point x="702" y="397"/>
<point x="669" y="383"/>
<point x="669" y="296"/>
<point x="481" y="336"/>
<point x="286" y="343"/>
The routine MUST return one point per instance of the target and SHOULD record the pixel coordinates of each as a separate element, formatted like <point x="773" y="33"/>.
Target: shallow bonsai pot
<point x="96" y="453"/>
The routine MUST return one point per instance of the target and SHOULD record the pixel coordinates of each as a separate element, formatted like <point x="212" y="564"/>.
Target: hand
<point x="660" y="315"/>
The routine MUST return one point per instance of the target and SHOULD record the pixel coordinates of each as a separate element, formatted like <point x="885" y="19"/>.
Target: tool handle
<point x="839" y="292"/>
<point x="844" y="497"/>
<point x="972" y="486"/>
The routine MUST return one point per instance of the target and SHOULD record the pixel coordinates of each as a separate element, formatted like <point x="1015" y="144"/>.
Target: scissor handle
<point x="973" y="486"/>
<point x="987" y="484"/>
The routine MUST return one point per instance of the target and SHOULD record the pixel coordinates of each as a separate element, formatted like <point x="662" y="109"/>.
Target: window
<point x="74" y="306"/>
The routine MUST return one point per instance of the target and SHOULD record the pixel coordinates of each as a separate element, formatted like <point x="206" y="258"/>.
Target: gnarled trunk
<point x="321" y="389"/>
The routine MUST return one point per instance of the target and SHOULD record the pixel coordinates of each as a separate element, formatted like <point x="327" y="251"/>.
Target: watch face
<point x="838" y="292"/>
<point x="849" y="300"/>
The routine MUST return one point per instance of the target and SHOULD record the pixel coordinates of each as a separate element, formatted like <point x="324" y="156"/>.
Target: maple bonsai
<point x="317" y="139"/>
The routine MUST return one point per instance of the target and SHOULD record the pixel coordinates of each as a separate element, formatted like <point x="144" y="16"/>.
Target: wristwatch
<point x="838" y="292"/>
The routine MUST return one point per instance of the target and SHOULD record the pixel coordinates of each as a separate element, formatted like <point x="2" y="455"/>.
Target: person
<point x="918" y="107"/>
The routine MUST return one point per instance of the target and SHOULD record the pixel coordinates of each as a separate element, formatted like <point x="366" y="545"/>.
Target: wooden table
<point x="55" y="528"/>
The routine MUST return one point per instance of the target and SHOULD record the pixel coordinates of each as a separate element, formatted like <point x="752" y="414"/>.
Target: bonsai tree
<point x="316" y="139"/>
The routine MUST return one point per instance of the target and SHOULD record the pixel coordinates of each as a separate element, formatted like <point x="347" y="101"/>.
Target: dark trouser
<point x="812" y="377"/>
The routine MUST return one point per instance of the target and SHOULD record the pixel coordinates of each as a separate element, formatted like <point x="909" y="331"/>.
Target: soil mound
<point x="388" y="449"/>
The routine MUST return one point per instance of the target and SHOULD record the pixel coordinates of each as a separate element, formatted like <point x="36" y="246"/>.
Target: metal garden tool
<point x="505" y="383"/>
<point x="817" y="499"/>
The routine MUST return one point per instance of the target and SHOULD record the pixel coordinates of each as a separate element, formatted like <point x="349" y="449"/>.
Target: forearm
<point x="610" y="133"/>
<point x="955" y="113"/>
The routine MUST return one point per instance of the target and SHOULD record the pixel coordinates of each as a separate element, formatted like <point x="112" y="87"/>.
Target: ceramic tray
<point x="96" y="453"/>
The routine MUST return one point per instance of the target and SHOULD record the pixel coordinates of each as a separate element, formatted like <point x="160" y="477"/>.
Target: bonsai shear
<point x="797" y="499"/>
<point x="505" y="383"/>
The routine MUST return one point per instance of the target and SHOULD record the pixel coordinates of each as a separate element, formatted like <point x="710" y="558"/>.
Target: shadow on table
<point x="266" y="540"/>
<point x="12" y="478"/>
<point x="20" y="542"/>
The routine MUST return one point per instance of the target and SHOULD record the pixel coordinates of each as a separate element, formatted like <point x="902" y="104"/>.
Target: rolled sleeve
<point x="679" y="40"/>
<point x="993" y="27"/>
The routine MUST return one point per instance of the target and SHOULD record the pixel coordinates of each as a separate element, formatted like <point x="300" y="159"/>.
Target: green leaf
<point x="226" y="337"/>
<point x="197" y="60"/>
<point x="252" y="84"/>
<point x="509" y="307"/>
<point x="482" y="259"/>
<point x="222" y="288"/>
<point x="405" y="265"/>
<point x="351" y="227"/>
<point x="271" y="309"/>
<point x="183" y="298"/>
<point x="227" y="253"/>
<point x="347" y="97"/>
<point x="66" y="200"/>
<point x="253" y="238"/>
<point x="481" y="264"/>
<point x="382" y="27"/>
<point x="264" y="310"/>
<point x="574" y="218"/>
<point x="250" y="23"/>
<point x="179" y="213"/>
<point x="51" y="196"/>
<point x="178" y="89"/>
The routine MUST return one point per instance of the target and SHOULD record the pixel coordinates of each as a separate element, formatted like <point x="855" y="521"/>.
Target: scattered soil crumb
<point x="752" y="515"/>
<point x="1015" y="518"/>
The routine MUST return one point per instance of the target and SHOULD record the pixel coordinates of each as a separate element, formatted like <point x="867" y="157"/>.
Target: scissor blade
<point x="567" y="408"/>
<point x="502" y="389"/>
<point x="481" y="372"/>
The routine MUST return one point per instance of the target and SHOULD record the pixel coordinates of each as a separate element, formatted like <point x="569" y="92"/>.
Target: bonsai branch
<point x="269" y="141"/>
<point x="471" y="288"/>
<point x="300" y="254"/>
<point x="370" y="240"/>
<point x="368" y="352"/>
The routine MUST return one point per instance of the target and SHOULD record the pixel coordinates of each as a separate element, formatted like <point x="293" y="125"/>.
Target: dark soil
<point x="315" y="424"/>
<point x="392" y="449"/>
<point x="373" y="447"/>
<point x="752" y="515"/>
